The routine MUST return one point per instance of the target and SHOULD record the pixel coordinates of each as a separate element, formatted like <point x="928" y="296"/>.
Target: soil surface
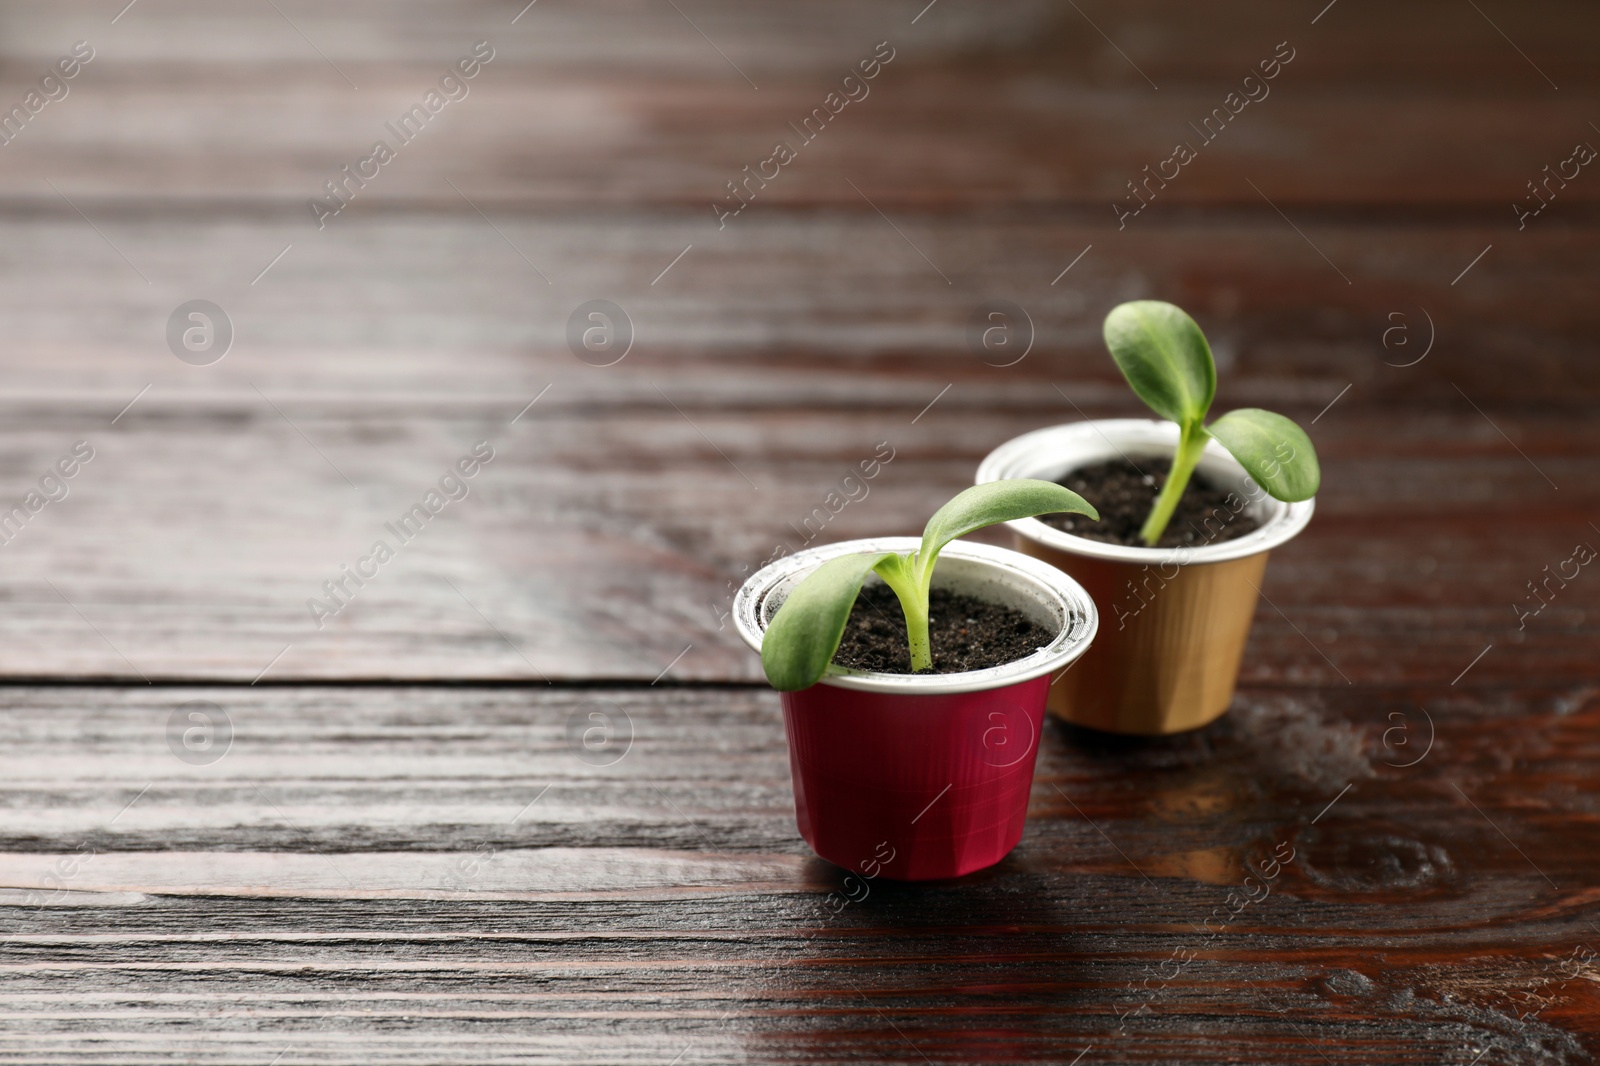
<point x="965" y="633"/>
<point x="1124" y="493"/>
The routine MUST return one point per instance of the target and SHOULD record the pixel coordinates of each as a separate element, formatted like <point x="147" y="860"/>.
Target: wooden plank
<point x="627" y="104"/>
<point x="353" y="879"/>
<point x="834" y="309"/>
<point x="1176" y="40"/>
<point x="622" y="143"/>
<point x="580" y="555"/>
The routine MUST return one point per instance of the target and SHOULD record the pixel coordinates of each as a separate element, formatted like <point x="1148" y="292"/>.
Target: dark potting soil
<point x="1123" y="495"/>
<point x="965" y="633"/>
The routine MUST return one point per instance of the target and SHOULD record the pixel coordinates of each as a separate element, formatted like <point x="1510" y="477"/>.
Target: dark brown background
<point x="353" y="882"/>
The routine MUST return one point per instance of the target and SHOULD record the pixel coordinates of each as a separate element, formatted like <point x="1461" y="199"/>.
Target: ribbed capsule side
<point x="939" y="782"/>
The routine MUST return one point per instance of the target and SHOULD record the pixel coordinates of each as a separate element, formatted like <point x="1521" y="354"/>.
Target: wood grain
<point x="628" y="104"/>
<point x="579" y="554"/>
<point x="832" y="309"/>
<point x="405" y="852"/>
<point x="347" y="881"/>
<point x="602" y="540"/>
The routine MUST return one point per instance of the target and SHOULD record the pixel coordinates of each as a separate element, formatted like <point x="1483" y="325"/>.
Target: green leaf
<point x="1164" y="356"/>
<point x="987" y="504"/>
<point x="803" y="635"/>
<point x="1275" y="451"/>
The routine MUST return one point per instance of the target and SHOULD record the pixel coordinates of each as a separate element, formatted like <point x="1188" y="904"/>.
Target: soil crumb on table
<point x="1124" y="494"/>
<point x="965" y="632"/>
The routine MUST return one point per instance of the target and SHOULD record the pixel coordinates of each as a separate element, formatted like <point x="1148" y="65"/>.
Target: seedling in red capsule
<point x="1167" y="362"/>
<point x="804" y="635"/>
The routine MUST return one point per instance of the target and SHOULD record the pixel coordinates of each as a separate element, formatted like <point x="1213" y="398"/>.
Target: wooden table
<point x="233" y="835"/>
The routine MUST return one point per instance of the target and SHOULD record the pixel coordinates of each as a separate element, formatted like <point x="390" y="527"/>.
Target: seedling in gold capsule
<point x="1167" y="362"/>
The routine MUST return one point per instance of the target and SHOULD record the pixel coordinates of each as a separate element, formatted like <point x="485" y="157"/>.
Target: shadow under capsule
<point x="989" y="967"/>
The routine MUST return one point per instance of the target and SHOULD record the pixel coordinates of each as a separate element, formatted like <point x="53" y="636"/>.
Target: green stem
<point x="908" y="588"/>
<point x="1191" y="445"/>
<point x="917" y="636"/>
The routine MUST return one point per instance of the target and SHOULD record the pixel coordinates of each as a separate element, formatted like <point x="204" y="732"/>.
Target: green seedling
<point x="803" y="636"/>
<point x="1164" y="356"/>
